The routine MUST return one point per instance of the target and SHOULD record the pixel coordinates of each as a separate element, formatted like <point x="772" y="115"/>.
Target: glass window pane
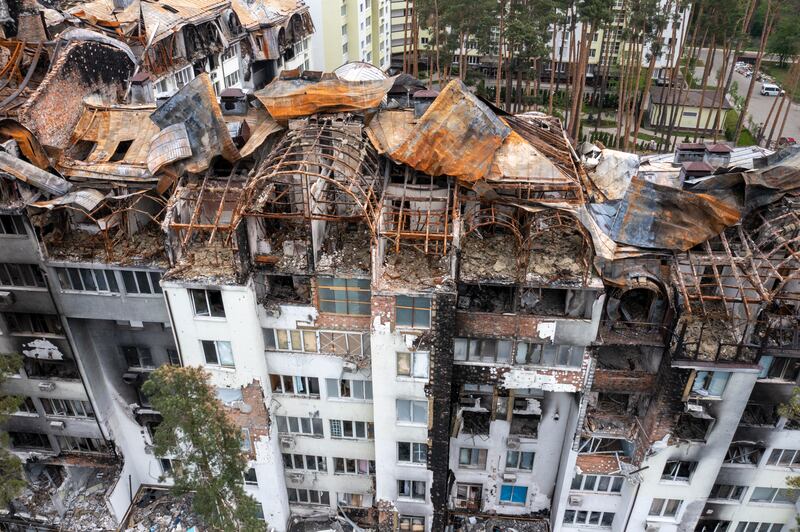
<point x="111" y="277"/>
<point x="404" y="364"/>
<point x="210" y="352"/>
<point x="155" y="281"/>
<point x="144" y="282"/>
<point x="421" y="365"/>
<point x="225" y="353"/>
<point x="403" y="451"/>
<point x="309" y="341"/>
<point x="198" y="298"/>
<point x="215" y="301"/>
<point x="527" y="461"/>
<point x="332" y="386"/>
<point x="131" y="288"/>
<point x="460" y="349"/>
<point x="420" y="412"/>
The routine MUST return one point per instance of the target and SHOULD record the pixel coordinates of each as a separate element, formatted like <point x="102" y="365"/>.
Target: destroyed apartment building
<point x="425" y="314"/>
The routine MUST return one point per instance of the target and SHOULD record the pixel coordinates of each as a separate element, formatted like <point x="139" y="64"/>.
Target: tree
<point x="784" y="40"/>
<point x="12" y="479"/>
<point x="197" y="432"/>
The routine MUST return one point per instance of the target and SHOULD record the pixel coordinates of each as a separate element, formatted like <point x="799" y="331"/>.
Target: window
<point x="743" y="454"/>
<point x="773" y="495"/>
<point x="218" y="352"/>
<point x="350" y="499"/>
<point x="411" y="489"/>
<point x="139" y="282"/>
<point x="352" y="389"/>
<point x="510" y="494"/>
<point x="304" y="496"/>
<point x="710" y="383"/>
<point x="260" y="512"/>
<point x="87" y="280"/>
<point x="172" y="356"/>
<point x="781" y="368"/>
<point x="344" y="296"/>
<point x="309" y="341"/>
<point x="408" y="523"/>
<point x="486" y="350"/>
<point x="412" y="452"/>
<point x="549" y="354"/>
<point x="412" y="411"/>
<point x="137" y="357"/>
<point x="519" y="460"/>
<point x="343" y="10"/>
<point x="290" y="384"/>
<point x="21" y="275"/>
<point x="727" y="492"/>
<point x="305" y="462"/>
<point x="232" y="79"/>
<point x="231" y="52"/>
<point x="33" y="324"/>
<point x="712" y="525"/>
<point x="665" y="507"/>
<point x="29" y="440"/>
<point x="344" y="48"/>
<point x="344" y="29"/>
<point x="469" y="458"/>
<point x="599" y="483"/>
<point x="250" y="477"/>
<point x="345" y="429"/>
<point x="67" y="407"/>
<point x="300" y="425"/>
<point x="207" y="303"/>
<point x="27" y="406"/>
<point x="753" y="526"/>
<point x="291" y="340"/>
<point x="86" y="445"/>
<point x="353" y="466"/>
<point x="168" y="465"/>
<point x="678" y="470"/>
<point x="244" y="442"/>
<point x="579" y="517"/>
<point x="784" y="458"/>
<point x="413" y="311"/>
<point x="182" y="77"/>
<point x="11" y="224"/>
<point x="414" y="364"/>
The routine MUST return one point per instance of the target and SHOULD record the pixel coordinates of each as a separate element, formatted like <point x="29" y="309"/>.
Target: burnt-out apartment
<point x="424" y="313"/>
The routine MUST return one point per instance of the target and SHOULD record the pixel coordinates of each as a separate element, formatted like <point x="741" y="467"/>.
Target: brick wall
<point x="257" y="420"/>
<point x="489" y="325"/>
<point x="623" y="381"/>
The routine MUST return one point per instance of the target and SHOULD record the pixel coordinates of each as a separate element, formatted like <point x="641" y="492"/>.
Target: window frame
<point x="219" y="363"/>
<point x="67" y="277"/>
<point x="476" y="350"/>
<point x="415" y="450"/>
<point x="413" y="368"/>
<point x="194" y="292"/>
<point x="367" y="429"/>
<point x="306" y="382"/>
<point x="511" y="491"/>
<point x="14" y="221"/>
<point x="674" y="467"/>
<point x="410" y="303"/>
<point x="476" y="458"/>
<point x="412" y="493"/>
<point x="313" y="424"/>
<point x="139" y="278"/>
<point x="413" y="405"/>
<point x="340" y="385"/>
<point x="517" y="462"/>
<point x="328" y="303"/>
<point x="123" y="349"/>
<point x="322" y="498"/>
<point x="669" y="508"/>
<point x="25" y="272"/>
<point x="353" y="466"/>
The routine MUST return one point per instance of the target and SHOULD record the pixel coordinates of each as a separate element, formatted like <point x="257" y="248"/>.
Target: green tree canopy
<point x="12" y="480"/>
<point x="197" y="431"/>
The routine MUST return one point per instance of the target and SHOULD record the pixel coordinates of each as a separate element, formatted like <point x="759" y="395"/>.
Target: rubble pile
<point x="162" y="511"/>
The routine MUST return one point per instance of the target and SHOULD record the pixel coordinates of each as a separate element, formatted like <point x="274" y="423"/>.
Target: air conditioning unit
<point x="296" y="478"/>
<point x="287" y="441"/>
<point x="57" y="424"/>
<point x="512" y="442"/>
<point x="6" y="298"/>
<point x="575" y="500"/>
<point x="130" y="377"/>
<point x="47" y="386"/>
<point x="509" y="477"/>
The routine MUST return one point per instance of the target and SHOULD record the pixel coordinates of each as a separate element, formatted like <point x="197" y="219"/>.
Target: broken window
<point x="604" y="445"/>
<point x="476" y="396"/>
<point x="339" y="343"/>
<point x="557" y="302"/>
<point x="743" y="454"/>
<point x="81" y="150"/>
<point x="482" y="350"/>
<point x="291" y="340"/>
<point x="409" y="523"/>
<point x="599" y="483"/>
<point x="305" y="462"/>
<point x="412" y="452"/>
<point x="413" y="311"/>
<point x="486" y="298"/>
<point x="468" y="496"/>
<point x="120" y="151"/>
<point x="665" y="507"/>
<point x="752" y="526"/>
<point x="580" y="517"/>
<point x="300" y="425"/>
<point x="353" y="466"/>
<point x="349" y="389"/>
<point x="537" y="354"/>
<point x="250" y="476"/>
<point x="87" y="279"/>
<point x="526" y="425"/>
<point x="137" y="356"/>
<point x="67" y="408"/>
<point x="29" y="440"/>
<point x="346" y="429"/>
<point x="207" y="303"/>
<point x="350" y="499"/>
<point x="470" y="458"/>
<point x="295" y="289"/>
<point x="727" y="492"/>
<point x="779" y="368"/>
<point x="344" y="296"/>
<point x="12" y="224"/>
<point x="295" y="385"/>
<point x="140" y="282"/>
<point x="413" y="364"/>
<point x="678" y="470"/>
<point x="21" y="275"/>
<point x="218" y="352"/>
<point x="46" y="369"/>
<point x="784" y="458"/>
<point x="86" y="445"/>
<point x="475" y="422"/>
<point x="305" y="496"/>
<point x="710" y="383"/>
<point x="773" y="495"/>
<point x="33" y="324"/>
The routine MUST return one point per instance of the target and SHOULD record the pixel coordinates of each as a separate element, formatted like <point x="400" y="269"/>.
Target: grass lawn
<point x="745" y="137"/>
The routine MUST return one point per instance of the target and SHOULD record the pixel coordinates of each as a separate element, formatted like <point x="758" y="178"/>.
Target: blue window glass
<point x="513" y="494"/>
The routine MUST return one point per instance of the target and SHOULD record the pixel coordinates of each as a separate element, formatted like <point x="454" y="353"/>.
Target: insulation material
<point x="458" y="136"/>
<point x="195" y="106"/>
<point x="168" y="145"/>
<point x="614" y="172"/>
<point x="524" y="378"/>
<point x="390" y="128"/>
<point x="87" y="199"/>
<point x="517" y="159"/>
<point x="259" y="136"/>
<point x="41" y="348"/>
<point x="295" y="98"/>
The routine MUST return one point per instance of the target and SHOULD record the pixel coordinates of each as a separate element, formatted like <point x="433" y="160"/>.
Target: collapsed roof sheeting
<point x="32" y="175"/>
<point x="195" y="105"/>
<point x="80" y="34"/>
<point x="169" y="145"/>
<point x="458" y="136"/>
<point x="253" y="13"/>
<point x="26" y="141"/>
<point x="294" y="98"/>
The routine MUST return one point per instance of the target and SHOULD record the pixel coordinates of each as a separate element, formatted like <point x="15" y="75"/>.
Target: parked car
<point x="770" y="89"/>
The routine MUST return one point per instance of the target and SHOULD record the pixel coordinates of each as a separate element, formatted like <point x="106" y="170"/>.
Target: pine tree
<point x="12" y="479"/>
<point x="198" y="433"/>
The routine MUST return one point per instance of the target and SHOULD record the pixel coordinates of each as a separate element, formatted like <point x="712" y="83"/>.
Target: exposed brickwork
<point x="665" y="406"/>
<point x="257" y="420"/>
<point x="488" y="325"/>
<point x="623" y="381"/>
<point x="383" y="308"/>
<point x="597" y="464"/>
<point x="344" y="323"/>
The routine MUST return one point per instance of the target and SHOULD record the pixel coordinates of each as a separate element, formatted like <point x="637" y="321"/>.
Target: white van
<point x="768" y="89"/>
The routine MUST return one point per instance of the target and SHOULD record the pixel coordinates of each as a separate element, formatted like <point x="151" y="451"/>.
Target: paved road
<point x="759" y="105"/>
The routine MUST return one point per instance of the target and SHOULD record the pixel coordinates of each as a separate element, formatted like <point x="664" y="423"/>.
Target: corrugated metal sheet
<point x="359" y="71"/>
<point x="518" y="160"/>
<point x="33" y="175"/>
<point x="259" y="136"/>
<point x="87" y="198"/>
<point x="295" y="98"/>
<point x="167" y="146"/>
